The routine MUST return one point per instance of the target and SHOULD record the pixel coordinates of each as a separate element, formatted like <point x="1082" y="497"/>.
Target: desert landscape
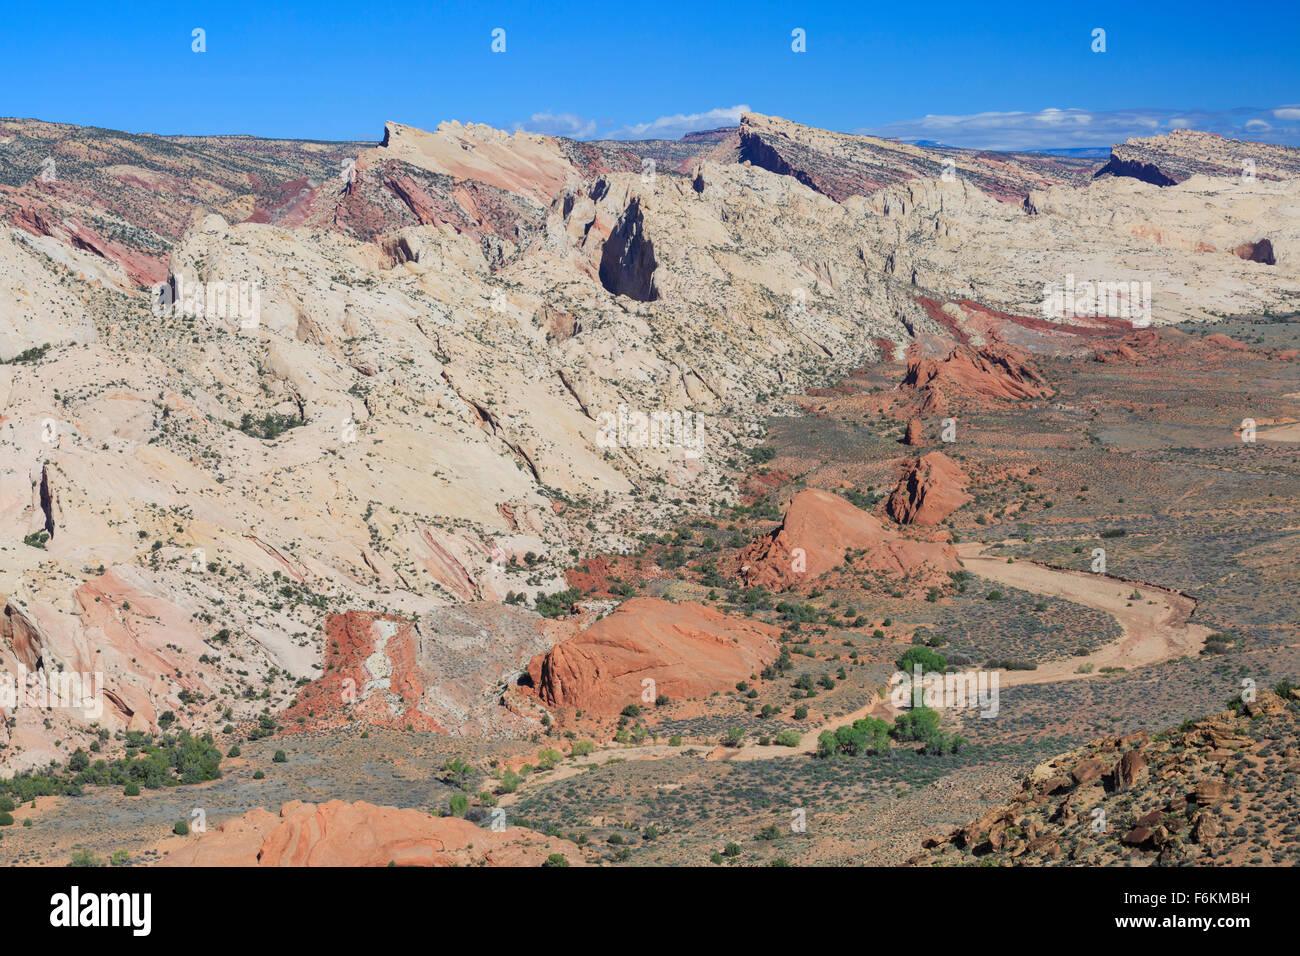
<point x="767" y="496"/>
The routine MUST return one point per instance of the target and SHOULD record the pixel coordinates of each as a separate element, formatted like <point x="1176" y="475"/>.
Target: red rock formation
<point x="688" y="650"/>
<point x="362" y="834"/>
<point x="913" y="436"/>
<point x="22" y="636"/>
<point x="934" y="403"/>
<point x="371" y="675"/>
<point x="1261" y="251"/>
<point x="931" y="488"/>
<point x="1226" y="342"/>
<point x="823" y="526"/>
<point x="985" y="372"/>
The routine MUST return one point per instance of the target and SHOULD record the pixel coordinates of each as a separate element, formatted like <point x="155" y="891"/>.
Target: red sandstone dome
<point x="818" y="529"/>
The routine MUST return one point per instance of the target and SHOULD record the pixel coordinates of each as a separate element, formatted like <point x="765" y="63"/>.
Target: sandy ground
<point x="1281" y="433"/>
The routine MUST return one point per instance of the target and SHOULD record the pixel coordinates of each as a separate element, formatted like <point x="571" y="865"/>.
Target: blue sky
<point x="1007" y="76"/>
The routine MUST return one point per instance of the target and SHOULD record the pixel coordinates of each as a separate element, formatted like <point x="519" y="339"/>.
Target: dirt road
<point x="1154" y="627"/>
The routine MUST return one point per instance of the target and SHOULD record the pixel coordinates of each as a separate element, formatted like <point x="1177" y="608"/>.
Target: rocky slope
<point x="440" y="367"/>
<point x="1214" y="792"/>
<point x="1175" y="158"/>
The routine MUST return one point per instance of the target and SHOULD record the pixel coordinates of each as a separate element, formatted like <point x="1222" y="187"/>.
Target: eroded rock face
<point x="1261" y="251"/>
<point x="1136" y="169"/>
<point x="1174" y="158"/>
<point x="22" y="636"/>
<point x="818" y="529"/>
<point x="627" y="263"/>
<point x="689" y="650"/>
<point x="362" y="834"/>
<point x="443" y="674"/>
<point x="985" y="373"/>
<point x="931" y="488"/>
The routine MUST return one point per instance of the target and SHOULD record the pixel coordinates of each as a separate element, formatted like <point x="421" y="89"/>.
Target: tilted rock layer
<point x="686" y="650"/>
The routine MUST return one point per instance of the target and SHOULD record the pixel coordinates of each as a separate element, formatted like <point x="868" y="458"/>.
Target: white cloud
<point x="1055" y="128"/>
<point x="665" y="127"/>
<point x="559" y="124"/>
<point x="674" y="127"/>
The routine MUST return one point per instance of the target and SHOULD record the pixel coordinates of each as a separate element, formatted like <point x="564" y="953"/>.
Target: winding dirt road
<point x="1154" y="628"/>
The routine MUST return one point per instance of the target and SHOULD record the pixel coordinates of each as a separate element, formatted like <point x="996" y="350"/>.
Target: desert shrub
<point x="558" y="604"/>
<point x="919" y="723"/>
<point x="929" y="660"/>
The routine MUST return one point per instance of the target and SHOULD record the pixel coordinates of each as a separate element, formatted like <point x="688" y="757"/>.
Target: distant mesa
<point x="1174" y="158"/>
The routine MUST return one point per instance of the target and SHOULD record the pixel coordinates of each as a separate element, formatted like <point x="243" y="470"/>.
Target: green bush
<point x="929" y="660"/>
<point x="919" y="723"/>
<point x="181" y="828"/>
<point x="558" y="604"/>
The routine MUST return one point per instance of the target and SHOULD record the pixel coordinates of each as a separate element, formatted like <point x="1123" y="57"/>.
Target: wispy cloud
<point x="665" y="127"/>
<point x="676" y="126"/>
<point x="559" y="124"/>
<point x="1067" y="128"/>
